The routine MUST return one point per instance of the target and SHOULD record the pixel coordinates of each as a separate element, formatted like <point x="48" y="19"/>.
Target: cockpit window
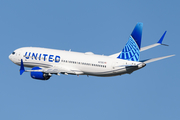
<point x="13" y="53"/>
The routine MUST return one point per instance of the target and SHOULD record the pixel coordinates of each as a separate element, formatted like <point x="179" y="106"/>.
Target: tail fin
<point x="131" y="50"/>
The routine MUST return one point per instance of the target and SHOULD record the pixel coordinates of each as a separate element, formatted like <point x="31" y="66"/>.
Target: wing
<point x="63" y="70"/>
<point x="150" y="46"/>
<point x="156" y="44"/>
<point x="52" y="70"/>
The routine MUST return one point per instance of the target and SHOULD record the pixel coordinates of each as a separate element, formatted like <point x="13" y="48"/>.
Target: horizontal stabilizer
<point x="155" y="59"/>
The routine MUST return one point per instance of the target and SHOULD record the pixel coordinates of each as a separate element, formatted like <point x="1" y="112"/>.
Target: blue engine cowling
<point x="39" y="75"/>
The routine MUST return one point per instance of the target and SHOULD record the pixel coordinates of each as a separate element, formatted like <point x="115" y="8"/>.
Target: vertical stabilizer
<point x="131" y="50"/>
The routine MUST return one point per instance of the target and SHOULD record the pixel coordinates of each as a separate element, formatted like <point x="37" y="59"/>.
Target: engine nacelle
<point x="39" y="75"/>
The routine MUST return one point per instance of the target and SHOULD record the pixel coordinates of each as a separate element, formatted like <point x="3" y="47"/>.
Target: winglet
<point x="161" y="39"/>
<point x="22" y="68"/>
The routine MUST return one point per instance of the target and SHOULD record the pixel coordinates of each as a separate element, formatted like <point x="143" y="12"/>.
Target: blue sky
<point x="102" y="27"/>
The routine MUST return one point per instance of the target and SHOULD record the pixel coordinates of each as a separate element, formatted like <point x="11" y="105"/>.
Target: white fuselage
<point x="68" y="62"/>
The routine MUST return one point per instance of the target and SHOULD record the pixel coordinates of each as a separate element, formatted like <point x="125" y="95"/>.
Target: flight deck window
<point x="13" y="53"/>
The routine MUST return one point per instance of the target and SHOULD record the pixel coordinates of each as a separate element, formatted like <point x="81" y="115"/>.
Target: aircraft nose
<point x="10" y="57"/>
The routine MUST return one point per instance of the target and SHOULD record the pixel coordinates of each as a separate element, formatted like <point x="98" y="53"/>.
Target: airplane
<point x="46" y="62"/>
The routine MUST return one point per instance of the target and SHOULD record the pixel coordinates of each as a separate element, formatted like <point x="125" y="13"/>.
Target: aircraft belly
<point x="107" y="73"/>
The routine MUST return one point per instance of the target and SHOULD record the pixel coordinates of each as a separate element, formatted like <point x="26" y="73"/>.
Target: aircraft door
<point x="19" y="56"/>
<point x="115" y="66"/>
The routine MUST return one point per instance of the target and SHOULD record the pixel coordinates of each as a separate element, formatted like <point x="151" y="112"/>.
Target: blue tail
<point x="131" y="50"/>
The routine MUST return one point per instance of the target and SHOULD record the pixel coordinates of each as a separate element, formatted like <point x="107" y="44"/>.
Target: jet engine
<point x="39" y="75"/>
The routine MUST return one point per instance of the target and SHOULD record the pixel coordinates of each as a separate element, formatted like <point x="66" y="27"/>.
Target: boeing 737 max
<point x="45" y="62"/>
